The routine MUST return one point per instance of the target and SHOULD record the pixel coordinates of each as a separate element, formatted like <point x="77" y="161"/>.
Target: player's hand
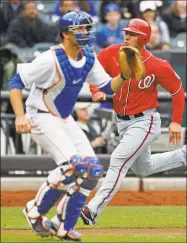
<point x="175" y="133"/>
<point x="23" y="125"/>
<point x="98" y="142"/>
<point x="99" y="97"/>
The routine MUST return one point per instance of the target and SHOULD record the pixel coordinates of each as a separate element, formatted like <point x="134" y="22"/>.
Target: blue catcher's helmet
<point x="73" y="22"/>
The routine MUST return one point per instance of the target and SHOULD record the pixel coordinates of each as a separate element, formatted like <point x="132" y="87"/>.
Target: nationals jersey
<point x="137" y="96"/>
<point x="55" y="72"/>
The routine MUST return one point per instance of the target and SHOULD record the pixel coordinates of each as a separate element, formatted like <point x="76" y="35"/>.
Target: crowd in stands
<point x="25" y="23"/>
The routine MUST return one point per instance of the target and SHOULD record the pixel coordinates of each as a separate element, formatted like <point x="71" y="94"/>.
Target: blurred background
<point x="29" y="28"/>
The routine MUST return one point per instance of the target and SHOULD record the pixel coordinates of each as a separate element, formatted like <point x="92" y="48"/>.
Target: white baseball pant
<point x="61" y="138"/>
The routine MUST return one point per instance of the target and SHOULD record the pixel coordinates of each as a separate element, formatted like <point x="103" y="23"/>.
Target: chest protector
<point x="62" y="96"/>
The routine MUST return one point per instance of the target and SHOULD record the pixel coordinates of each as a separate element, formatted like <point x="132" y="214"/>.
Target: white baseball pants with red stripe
<point x="61" y="138"/>
<point x="134" y="152"/>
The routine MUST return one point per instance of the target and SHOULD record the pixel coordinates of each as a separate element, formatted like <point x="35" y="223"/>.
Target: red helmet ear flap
<point x="143" y="40"/>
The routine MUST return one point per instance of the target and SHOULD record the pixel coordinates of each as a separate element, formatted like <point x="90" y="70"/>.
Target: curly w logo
<point x="146" y="82"/>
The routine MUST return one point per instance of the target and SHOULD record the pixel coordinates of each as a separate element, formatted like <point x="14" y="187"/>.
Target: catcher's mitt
<point x="131" y="63"/>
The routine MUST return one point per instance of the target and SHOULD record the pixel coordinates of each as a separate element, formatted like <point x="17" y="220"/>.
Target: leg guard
<point x="52" y="190"/>
<point x="69" y="208"/>
<point x="75" y="159"/>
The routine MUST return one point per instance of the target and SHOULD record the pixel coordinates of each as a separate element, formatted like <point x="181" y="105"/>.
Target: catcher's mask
<point x="81" y="25"/>
<point x="140" y="27"/>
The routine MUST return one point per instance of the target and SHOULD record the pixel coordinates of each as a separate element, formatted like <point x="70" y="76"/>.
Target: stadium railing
<point x="10" y="146"/>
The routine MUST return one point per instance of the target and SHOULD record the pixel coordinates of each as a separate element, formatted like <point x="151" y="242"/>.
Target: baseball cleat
<point x="68" y="236"/>
<point x="38" y="224"/>
<point x="72" y="236"/>
<point x="88" y="217"/>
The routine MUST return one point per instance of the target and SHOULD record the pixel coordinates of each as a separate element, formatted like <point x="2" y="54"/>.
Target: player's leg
<point x="50" y="141"/>
<point x="47" y="195"/>
<point x="147" y="164"/>
<point x="136" y="138"/>
<point x="50" y="135"/>
<point x="78" y="138"/>
<point x="69" y="209"/>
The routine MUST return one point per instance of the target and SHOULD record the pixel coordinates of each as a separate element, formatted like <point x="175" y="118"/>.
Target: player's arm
<point x="130" y="63"/>
<point x="101" y="82"/>
<point x="100" y="79"/>
<point x="41" y="73"/>
<point x="22" y="124"/>
<point x="171" y="82"/>
<point x="97" y="94"/>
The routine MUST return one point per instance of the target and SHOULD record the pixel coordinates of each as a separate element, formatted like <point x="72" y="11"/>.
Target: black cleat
<point x="88" y="217"/>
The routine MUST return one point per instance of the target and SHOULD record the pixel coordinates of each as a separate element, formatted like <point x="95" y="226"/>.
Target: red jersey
<point x="137" y="96"/>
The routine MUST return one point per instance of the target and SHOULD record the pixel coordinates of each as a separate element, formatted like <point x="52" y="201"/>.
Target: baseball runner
<point x="138" y="122"/>
<point x="55" y="79"/>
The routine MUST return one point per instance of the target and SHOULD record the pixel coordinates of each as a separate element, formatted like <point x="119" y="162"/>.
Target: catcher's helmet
<point x="73" y="22"/>
<point x="141" y="27"/>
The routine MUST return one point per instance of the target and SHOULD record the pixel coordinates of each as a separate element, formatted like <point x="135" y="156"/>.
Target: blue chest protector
<point x="74" y="80"/>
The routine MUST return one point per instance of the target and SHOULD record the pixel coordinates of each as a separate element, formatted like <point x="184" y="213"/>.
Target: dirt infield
<point x="122" y="198"/>
<point x="112" y="231"/>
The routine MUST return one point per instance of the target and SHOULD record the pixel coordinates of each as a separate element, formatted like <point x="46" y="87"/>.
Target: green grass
<point x="112" y="217"/>
<point x="177" y="238"/>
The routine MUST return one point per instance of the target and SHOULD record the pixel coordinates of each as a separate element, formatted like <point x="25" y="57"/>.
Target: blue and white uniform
<point x="55" y="81"/>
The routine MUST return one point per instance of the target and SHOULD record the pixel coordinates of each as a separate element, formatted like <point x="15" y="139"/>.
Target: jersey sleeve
<point x="98" y="76"/>
<point x="170" y="81"/>
<point x="102" y="57"/>
<point x="94" y="89"/>
<point x="168" y="78"/>
<point x="41" y="71"/>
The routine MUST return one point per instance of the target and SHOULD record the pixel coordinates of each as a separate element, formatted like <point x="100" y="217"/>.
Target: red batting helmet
<point x="140" y="27"/>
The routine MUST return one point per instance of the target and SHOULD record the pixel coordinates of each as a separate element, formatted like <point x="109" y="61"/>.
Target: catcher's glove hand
<point x="131" y="63"/>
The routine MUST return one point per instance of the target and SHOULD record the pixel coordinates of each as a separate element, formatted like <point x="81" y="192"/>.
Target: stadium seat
<point x="41" y="47"/>
<point x="46" y="6"/>
<point x="7" y="144"/>
<point x="179" y="42"/>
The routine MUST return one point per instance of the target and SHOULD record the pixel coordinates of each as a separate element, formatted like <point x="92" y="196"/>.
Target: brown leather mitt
<point x="131" y="63"/>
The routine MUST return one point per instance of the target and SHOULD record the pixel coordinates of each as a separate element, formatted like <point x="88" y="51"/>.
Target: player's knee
<point x="92" y="175"/>
<point x="79" y="170"/>
<point x="86" y="159"/>
<point x="54" y="177"/>
<point x="115" y="163"/>
<point x="141" y="173"/>
<point x="76" y="159"/>
<point x="58" y="176"/>
<point x="91" y="160"/>
<point x="89" y="168"/>
<point x="95" y="172"/>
